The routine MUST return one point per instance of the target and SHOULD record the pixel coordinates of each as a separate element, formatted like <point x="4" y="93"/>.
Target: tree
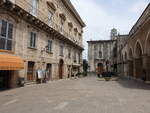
<point x="85" y="67"/>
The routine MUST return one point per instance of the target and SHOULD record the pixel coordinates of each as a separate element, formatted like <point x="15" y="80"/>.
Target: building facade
<point x="101" y="52"/>
<point x="135" y="53"/>
<point x="45" y="34"/>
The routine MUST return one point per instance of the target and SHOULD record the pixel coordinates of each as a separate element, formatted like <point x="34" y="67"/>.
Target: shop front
<point x="9" y="64"/>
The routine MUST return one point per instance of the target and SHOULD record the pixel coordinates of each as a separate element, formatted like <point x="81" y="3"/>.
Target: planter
<point x="107" y="78"/>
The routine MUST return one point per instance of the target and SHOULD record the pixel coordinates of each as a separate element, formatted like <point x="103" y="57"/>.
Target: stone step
<point x="30" y="82"/>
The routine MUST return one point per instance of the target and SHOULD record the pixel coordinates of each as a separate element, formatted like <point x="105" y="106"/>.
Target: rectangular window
<point x="61" y="50"/>
<point x="34" y="4"/>
<point x="10" y="31"/>
<point x="61" y="25"/>
<point x="49" y="46"/>
<point x="69" y="53"/>
<point x="6" y="35"/>
<point x="79" y="56"/>
<point x="4" y="28"/>
<point x="33" y="37"/>
<point x="50" y="18"/>
<point x="75" y="57"/>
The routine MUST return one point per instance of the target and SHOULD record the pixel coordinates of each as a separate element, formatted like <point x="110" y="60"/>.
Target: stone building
<point x="101" y="52"/>
<point x="121" y="41"/>
<point x="39" y="35"/>
<point x="135" y="53"/>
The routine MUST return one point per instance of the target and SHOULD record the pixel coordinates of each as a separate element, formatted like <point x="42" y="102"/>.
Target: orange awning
<point x="10" y="62"/>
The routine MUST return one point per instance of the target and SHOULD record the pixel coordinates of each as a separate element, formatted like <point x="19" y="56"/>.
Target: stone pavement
<point x="85" y="95"/>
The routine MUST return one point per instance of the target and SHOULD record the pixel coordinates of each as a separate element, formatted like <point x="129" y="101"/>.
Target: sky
<point x="100" y="16"/>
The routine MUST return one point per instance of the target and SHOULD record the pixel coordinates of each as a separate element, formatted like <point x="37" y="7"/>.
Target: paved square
<point x="86" y="95"/>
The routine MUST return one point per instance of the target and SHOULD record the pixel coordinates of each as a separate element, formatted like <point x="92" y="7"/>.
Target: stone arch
<point x="130" y="54"/>
<point x="138" y="64"/>
<point x="122" y="64"/>
<point x="147" y="44"/>
<point x="125" y="63"/>
<point x="146" y="61"/>
<point x="125" y="56"/>
<point x="130" y="63"/>
<point x="138" y="50"/>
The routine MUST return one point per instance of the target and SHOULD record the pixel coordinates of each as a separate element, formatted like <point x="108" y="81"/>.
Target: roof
<point x="69" y="5"/>
<point x="100" y="41"/>
<point x="137" y="24"/>
<point x="123" y="36"/>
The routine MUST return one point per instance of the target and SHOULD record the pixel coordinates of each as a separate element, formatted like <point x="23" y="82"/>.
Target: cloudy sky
<point x="101" y="16"/>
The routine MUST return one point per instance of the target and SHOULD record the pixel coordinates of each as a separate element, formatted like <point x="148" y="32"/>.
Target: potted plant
<point x="107" y="76"/>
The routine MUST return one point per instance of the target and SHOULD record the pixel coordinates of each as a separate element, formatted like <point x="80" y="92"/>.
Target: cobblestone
<point x="85" y="95"/>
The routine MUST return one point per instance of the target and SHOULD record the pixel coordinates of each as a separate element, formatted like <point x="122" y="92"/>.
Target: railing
<point x="26" y="5"/>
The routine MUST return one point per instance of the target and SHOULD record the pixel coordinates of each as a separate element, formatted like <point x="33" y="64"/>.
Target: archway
<point x="138" y="61"/>
<point x="148" y="57"/>
<point x="61" y="69"/>
<point x="125" y="65"/>
<point x="122" y="65"/>
<point x="148" y="46"/>
<point x="130" y="63"/>
<point x="100" y="69"/>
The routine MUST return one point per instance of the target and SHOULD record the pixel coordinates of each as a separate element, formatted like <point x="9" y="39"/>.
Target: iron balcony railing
<point x="26" y="5"/>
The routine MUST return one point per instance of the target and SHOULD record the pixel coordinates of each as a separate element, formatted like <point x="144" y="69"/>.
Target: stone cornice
<point x="69" y="6"/>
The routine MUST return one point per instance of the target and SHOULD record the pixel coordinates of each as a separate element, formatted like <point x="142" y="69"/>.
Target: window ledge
<point x="49" y="52"/>
<point x="32" y="48"/>
<point x="6" y="51"/>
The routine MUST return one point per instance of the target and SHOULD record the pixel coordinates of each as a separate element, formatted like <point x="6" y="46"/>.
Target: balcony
<point x="24" y="9"/>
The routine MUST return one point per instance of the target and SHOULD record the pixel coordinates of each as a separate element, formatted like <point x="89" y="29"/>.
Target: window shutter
<point x="34" y="40"/>
<point x="4" y="28"/>
<point x="0" y="26"/>
<point x="9" y="44"/>
<point x="50" y="45"/>
<point x="2" y="43"/>
<point x="31" y="38"/>
<point x="10" y="31"/>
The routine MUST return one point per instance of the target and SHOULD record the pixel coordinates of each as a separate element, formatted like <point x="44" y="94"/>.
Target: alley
<point x="85" y="95"/>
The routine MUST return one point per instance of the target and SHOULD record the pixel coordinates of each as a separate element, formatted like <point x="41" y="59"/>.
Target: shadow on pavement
<point x="133" y="84"/>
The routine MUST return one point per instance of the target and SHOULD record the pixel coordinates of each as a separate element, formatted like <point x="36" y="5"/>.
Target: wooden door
<point x="30" y="73"/>
<point x="61" y="66"/>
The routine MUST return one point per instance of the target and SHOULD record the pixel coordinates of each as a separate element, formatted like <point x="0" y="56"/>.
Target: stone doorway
<point x="30" y="73"/>
<point x="100" y="69"/>
<point x="49" y="71"/>
<point x="61" y="69"/>
<point x="148" y="58"/>
<point x="138" y="61"/>
<point x="5" y="79"/>
<point x="130" y="64"/>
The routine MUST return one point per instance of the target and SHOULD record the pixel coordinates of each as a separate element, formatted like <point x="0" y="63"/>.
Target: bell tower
<point x="113" y="34"/>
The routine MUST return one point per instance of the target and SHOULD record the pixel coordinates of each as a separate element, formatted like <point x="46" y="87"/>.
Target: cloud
<point x="101" y="18"/>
